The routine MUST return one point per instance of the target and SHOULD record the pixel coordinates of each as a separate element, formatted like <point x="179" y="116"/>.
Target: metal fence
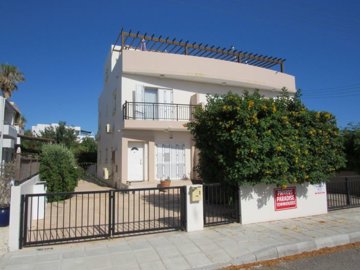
<point x="221" y="204"/>
<point x="75" y="216"/>
<point x="158" y="111"/>
<point x="343" y="192"/>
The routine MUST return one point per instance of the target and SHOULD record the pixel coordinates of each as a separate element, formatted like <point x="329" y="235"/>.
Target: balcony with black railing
<point x="158" y="111"/>
<point x="165" y="114"/>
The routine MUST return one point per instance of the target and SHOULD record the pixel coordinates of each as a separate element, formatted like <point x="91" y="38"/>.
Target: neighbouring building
<point x="10" y="127"/>
<point x="151" y="87"/>
<point x="80" y="133"/>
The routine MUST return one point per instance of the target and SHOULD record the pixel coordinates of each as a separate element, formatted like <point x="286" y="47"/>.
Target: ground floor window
<point x="170" y="161"/>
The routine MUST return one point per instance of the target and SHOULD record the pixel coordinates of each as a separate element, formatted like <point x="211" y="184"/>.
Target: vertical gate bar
<point x="144" y="210"/>
<point x="82" y="214"/>
<point x="128" y="216"/>
<point x="211" y="205"/>
<point x="88" y="215"/>
<point x="154" y="208"/>
<point x="221" y="203"/>
<point x="173" y="208"/>
<point x="110" y="229"/>
<point x="134" y="207"/>
<point x="100" y="212"/>
<point x="51" y="206"/>
<point x="104" y="217"/>
<point x="149" y="207"/>
<point x="63" y="221"/>
<point x="30" y="219"/>
<point x="57" y="219"/>
<point x="184" y="205"/>
<point x="164" y="212"/>
<point x="44" y="205"/>
<point x="123" y="212"/>
<point x="113" y="205"/>
<point x="23" y="206"/>
<point x="37" y="218"/>
<point x="237" y="201"/>
<point x="159" y="208"/>
<point x="204" y="204"/>
<point x="139" y="209"/>
<point x="93" y="213"/>
<point x="347" y="190"/>
<point x="70" y="219"/>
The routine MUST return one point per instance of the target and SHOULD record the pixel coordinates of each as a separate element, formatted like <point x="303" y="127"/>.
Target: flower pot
<point x="165" y="183"/>
<point x="4" y="216"/>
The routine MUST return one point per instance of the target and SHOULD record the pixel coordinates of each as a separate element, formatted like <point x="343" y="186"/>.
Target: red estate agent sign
<point x="285" y="198"/>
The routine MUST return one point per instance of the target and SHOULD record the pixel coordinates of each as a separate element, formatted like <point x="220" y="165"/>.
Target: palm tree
<point x="10" y="76"/>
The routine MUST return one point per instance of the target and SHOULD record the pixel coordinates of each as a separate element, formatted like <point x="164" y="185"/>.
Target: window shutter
<point x="139" y="97"/>
<point x="139" y="93"/>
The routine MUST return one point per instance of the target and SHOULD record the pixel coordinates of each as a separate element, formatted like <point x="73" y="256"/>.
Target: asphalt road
<point x="348" y="259"/>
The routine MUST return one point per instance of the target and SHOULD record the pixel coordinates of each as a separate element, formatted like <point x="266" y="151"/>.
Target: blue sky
<point x="61" y="46"/>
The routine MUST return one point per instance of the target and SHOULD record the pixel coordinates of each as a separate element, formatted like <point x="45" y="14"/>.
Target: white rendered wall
<point x="109" y="112"/>
<point x="257" y="203"/>
<point x="182" y="90"/>
<point x="31" y="186"/>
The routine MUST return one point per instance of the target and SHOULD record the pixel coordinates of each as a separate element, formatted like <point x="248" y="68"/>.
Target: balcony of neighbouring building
<point x="10" y="132"/>
<point x="157" y="116"/>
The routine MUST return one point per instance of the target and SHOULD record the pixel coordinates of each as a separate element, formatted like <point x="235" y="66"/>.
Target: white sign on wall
<point x="320" y="188"/>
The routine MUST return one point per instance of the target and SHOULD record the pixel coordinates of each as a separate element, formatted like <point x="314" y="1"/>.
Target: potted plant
<point x="6" y="175"/>
<point x="4" y="201"/>
<point x="165" y="183"/>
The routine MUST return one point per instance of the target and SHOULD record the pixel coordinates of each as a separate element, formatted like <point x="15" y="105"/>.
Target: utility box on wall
<point x="195" y="194"/>
<point x="262" y="202"/>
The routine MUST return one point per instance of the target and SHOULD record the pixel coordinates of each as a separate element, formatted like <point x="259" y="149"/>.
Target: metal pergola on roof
<point x="145" y="42"/>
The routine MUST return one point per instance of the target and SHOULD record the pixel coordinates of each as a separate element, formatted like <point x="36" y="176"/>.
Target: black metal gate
<point x="75" y="216"/>
<point x="343" y="192"/>
<point x="221" y="204"/>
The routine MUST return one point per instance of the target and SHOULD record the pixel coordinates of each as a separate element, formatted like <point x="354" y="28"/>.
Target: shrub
<point x="252" y="139"/>
<point x="58" y="169"/>
<point x="351" y="136"/>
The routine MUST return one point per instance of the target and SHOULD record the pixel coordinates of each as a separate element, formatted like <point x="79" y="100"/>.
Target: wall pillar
<point x="194" y="208"/>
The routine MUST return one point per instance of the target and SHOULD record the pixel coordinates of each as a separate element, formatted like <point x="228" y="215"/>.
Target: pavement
<point x="213" y="248"/>
<point x="4" y="232"/>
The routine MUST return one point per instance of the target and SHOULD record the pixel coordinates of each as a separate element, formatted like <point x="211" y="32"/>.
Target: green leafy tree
<point x="252" y="139"/>
<point x="58" y="168"/>
<point x="86" y="152"/>
<point x="61" y="135"/>
<point x="10" y="76"/>
<point x="351" y="136"/>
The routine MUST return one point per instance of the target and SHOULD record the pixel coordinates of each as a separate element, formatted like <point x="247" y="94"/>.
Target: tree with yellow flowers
<point x="252" y="139"/>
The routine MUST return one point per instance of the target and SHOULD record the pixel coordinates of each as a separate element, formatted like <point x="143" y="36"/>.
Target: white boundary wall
<point x="30" y="186"/>
<point x="257" y="203"/>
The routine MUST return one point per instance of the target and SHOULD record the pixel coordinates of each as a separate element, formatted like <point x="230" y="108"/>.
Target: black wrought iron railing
<point x="75" y="216"/>
<point x="343" y="192"/>
<point x="158" y="111"/>
<point x="221" y="204"/>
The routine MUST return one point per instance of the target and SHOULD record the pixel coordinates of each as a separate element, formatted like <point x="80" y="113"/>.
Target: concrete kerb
<point x="294" y="249"/>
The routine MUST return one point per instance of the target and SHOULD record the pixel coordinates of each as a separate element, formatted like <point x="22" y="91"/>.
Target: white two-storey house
<point x="151" y="88"/>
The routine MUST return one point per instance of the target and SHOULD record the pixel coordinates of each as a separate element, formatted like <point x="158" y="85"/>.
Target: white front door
<point x="135" y="161"/>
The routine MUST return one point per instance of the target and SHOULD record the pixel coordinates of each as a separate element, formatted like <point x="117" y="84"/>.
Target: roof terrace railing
<point x="145" y="42"/>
